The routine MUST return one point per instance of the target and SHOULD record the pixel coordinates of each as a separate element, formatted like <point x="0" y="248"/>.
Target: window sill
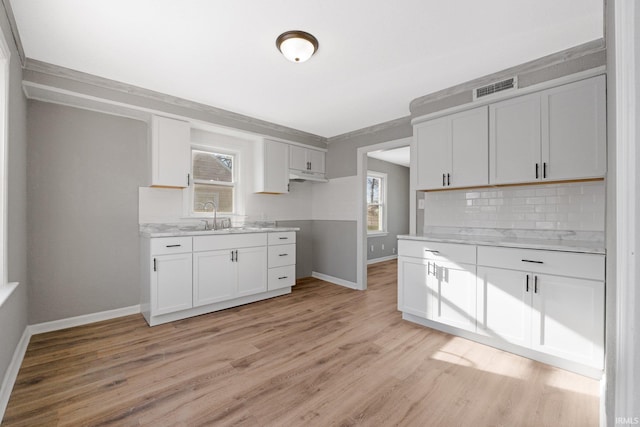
<point x="6" y="291"/>
<point x="377" y="233"/>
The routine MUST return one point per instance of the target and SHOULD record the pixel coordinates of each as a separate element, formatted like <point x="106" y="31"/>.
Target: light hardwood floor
<point x="323" y="355"/>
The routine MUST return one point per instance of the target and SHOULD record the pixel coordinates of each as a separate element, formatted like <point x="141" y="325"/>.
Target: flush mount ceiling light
<point x="297" y="46"/>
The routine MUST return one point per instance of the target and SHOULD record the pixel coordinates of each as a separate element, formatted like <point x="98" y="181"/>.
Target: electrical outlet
<point x="421" y="204"/>
<point x="371" y="248"/>
<point x="383" y="246"/>
<point x="394" y="250"/>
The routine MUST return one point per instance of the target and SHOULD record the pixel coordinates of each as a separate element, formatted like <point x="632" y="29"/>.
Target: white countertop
<point x="173" y="230"/>
<point x="558" y="244"/>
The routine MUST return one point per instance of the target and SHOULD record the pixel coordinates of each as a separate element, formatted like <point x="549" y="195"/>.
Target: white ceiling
<point x="374" y="57"/>
<point x="399" y="156"/>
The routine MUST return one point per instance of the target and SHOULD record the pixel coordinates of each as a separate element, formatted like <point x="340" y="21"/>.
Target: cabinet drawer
<point x="281" y="277"/>
<point x="170" y="245"/>
<point x="282" y="238"/>
<point x="282" y="255"/>
<point x="437" y="251"/>
<point x="235" y="241"/>
<point x="588" y="266"/>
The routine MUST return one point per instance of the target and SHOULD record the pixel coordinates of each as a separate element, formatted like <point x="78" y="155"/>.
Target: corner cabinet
<point x="188" y="276"/>
<point x="553" y="135"/>
<point x="453" y="151"/>
<point x="170" y="152"/>
<point x="271" y="167"/>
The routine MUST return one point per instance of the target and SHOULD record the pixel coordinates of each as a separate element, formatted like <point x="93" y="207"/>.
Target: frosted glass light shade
<point x="297" y="46"/>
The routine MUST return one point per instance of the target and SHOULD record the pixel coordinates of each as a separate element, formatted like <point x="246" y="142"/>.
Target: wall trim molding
<point x="563" y="56"/>
<point x="371" y="130"/>
<point x="70" y="322"/>
<point x="34" y="68"/>
<point x="14" y="30"/>
<point x="335" y="280"/>
<point x="381" y="259"/>
<point x="11" y="374"/>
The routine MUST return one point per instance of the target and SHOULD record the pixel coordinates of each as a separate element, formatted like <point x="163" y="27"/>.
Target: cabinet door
<point x="171" y="284"/>
<point x="469" y="148"/>
<point x="504" y="305"/>
<point x="170" y="152"/>
<point x="316" y="161"/>
<point x="574" y="130"/>
<point x="414" y="294"/>
<point x="514" y="140"/>
<point x="433" y="153"/>
<point x="252" y="270"/>
<point x="274" y="167"/>
<point x="297" y="158"/>
<point x="568" y="318"/>
<point x="214" y="277"/>
<point x="454" y="295"/>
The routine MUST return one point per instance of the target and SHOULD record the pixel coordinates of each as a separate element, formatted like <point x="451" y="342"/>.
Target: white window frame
<point x="235" y="173"/>
<point x="6" y="288"/>
<point x="383" y="203"/>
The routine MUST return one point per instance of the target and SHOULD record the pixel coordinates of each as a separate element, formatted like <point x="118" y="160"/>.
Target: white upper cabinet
<point x="557" y="134"/>
<point x="170" y="152"/>
<point x="574" y="130"/>
<point x="452" y="151"/>
<point x="306" y="160"/>
<point x="316" y="161"/>
<point x="272" y="167"/>
<point x="514" y="140"/>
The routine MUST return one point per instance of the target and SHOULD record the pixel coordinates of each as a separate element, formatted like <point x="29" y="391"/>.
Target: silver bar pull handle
<point x="283" y="277"/>
<point x="283" y="254"/>
<point x="535" y="284"/>
<point x="532" y="261"/>
<point x="432" y="251"/>
<point x="527" y="284"/>
<point x="173" y="246"/>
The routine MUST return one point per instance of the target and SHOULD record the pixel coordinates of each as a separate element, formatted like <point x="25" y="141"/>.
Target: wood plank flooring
<point x="321" y="356"/>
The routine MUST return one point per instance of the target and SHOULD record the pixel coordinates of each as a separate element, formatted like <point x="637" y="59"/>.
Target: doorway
<point x="376" y="205"/>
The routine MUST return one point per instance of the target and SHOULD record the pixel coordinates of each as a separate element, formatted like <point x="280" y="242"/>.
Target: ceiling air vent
<point x="480" y="92"/>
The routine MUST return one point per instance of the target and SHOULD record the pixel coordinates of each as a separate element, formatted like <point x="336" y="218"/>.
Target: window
<point x="213" y="181"/>
<point x="376" y="202"/>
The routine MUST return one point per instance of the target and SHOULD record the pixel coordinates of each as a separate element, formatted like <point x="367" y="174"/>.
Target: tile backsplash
<point x="567" y="206"/>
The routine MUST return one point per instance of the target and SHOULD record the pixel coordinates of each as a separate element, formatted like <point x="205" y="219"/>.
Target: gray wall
<point x="342" y="157"/>
<point x="334" y="248"/>
<point x="304" y="246"/>
<point x="397" y="208"/>
<point x="84" y="170"/>
<point x="14" y="311"/>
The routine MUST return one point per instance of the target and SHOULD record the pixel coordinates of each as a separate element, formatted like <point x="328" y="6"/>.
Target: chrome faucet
<point x="214" y="208"/>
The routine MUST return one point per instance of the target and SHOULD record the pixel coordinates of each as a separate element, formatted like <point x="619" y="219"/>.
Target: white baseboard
<point x="12" y="371"/>
<point x="335" y="280"/>
<point x="381" y="259"/>
<point x="70" y="322"/>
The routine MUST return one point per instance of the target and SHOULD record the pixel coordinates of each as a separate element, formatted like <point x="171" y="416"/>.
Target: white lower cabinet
<point x="171" y="283"/>
<point x="414" y="295"/>
<point x="454" y="294"/>
<point x="228" y="273"/>
<point x="435" y="285"/>
<point x="504" y="305"/>
<point x="214" y="277"/>
<point x="556" y="315"/>
<point x="188" y="276"/>
<point x="549" y="304"/>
